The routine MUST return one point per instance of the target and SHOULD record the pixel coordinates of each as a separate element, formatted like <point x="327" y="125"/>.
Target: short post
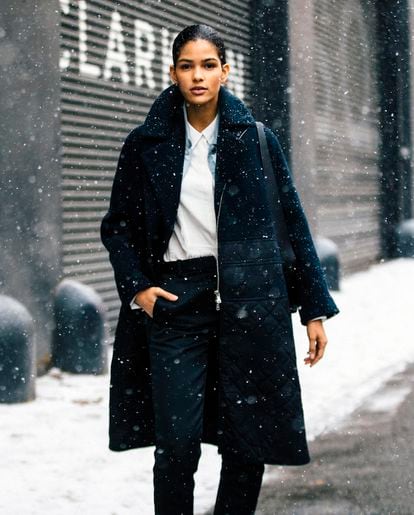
<point x="79" y="344"/>
<point x="327" y="252"/>
<point x="17" y="352"/>
<point x="405" y="238"/>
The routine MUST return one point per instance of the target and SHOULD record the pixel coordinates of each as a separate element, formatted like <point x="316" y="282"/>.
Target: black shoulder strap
<point x="273" y="198"/>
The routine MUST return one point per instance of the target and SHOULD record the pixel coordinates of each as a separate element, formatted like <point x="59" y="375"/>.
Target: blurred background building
<point x="332" y="78"/>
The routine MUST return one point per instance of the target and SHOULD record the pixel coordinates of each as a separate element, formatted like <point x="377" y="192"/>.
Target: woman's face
<point x="199" y="66"/>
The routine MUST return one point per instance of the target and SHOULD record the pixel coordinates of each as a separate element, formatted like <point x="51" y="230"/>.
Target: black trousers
<point x="183" y="341"/>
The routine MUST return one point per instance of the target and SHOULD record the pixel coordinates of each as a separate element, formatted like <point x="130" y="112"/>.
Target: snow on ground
<point x="54" y="456"/>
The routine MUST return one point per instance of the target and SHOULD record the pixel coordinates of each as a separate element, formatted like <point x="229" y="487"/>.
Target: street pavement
<point x="365" y="466"/>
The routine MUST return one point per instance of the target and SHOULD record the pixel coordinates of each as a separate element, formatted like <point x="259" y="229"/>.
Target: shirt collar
<point x="193" y="135"/>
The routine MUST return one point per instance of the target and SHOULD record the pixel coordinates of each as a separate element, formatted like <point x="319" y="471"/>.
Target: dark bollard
<point x="17" y="352"/>
<point x="79" y="336"/>
<point x="405" y="238"/>
<point x="328" y="256"/>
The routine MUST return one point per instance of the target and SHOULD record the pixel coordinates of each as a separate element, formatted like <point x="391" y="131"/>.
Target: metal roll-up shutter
<point x="115" y="59"/>
<point x="347" y="129"/>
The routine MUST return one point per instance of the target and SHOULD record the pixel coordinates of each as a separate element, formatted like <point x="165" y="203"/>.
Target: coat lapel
<point x="231" y="152"/>
<point x="164" y="165"/>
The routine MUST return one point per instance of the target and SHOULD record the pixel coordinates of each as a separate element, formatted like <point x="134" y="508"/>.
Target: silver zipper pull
<point x="217" y="292"/>
<point x="218" y="299"/>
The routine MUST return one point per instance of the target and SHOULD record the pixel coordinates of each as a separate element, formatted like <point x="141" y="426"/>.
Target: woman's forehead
<point x="200" y="48"/>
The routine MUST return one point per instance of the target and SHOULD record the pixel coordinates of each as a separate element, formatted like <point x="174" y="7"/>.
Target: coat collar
<point x="163" y="157"/>
<point x="167" y="110"/>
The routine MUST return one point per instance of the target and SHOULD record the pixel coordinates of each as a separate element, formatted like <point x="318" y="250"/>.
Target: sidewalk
<point x="364" y="467"/>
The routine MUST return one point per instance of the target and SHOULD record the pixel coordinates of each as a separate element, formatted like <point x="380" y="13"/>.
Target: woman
<point x="204" y="350"/>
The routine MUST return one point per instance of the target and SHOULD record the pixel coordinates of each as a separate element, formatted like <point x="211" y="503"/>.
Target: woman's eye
<point x="187" y="66"/>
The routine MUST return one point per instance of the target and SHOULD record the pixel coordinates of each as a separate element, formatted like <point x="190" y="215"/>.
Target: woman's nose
<point x="198" y="74"/>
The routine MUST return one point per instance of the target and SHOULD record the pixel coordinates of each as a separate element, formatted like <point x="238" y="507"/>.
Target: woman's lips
<point x="198" y="91"/>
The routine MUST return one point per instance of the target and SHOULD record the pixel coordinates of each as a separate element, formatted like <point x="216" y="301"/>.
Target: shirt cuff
<point x="134" y="305"/>
<point x="323" y="318"/>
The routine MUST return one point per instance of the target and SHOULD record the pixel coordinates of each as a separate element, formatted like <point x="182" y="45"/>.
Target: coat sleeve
<point x="121" y="235"/>
<point x="315" y="297"/>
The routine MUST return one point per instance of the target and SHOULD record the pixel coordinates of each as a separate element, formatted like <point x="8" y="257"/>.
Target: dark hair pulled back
<point x="198" y="31"/>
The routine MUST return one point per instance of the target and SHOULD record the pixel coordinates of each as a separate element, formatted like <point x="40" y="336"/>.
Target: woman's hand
<point x="146" y="298"/>
<point x="317" y="341"/>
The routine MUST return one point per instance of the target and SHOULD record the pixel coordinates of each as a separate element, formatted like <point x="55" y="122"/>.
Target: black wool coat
<point x="256" y="412"/>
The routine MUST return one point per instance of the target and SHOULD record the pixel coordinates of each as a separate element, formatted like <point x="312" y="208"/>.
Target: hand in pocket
<point x="148" y="297"/>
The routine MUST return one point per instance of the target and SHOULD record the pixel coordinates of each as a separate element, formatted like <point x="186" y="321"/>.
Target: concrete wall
<point x="302" y="105"/>
<point x="30" y="223"/>
<point x="283" y="96"/>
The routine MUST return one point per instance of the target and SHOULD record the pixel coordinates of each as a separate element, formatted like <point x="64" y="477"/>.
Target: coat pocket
<point x="262" y="280"/>
<point x="156" y="307"/>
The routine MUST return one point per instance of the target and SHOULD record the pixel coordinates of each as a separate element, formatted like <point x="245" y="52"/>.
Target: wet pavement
<point x="364" y="467"/>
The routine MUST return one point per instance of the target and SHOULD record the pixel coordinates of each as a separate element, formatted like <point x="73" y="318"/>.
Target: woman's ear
<point x="173" y="75"/>
<point x="225" y="70"/>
